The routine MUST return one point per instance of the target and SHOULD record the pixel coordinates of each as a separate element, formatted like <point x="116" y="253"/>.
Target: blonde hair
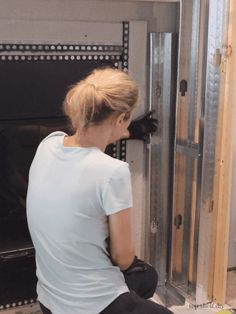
<point x="103" y="93"/>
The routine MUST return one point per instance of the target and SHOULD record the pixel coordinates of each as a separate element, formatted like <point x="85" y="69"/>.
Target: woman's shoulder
<point x="111" y="164"/>
<point x="54" y="134"/>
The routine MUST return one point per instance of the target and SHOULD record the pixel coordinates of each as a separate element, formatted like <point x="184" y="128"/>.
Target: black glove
<point x="140" y="128"/>
<point x="136" y="266"/>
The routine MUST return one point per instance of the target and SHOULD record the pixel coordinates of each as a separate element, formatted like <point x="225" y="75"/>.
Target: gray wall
<point x="161" y="17"/>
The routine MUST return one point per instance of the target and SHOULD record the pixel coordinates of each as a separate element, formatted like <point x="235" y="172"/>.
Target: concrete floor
<point x="188" y="308"/>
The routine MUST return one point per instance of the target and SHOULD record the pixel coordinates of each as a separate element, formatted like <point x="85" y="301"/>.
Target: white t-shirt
<point x="71" y="192"/>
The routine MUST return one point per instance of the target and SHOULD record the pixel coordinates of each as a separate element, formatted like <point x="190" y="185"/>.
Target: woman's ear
<point x="120" y="119"/>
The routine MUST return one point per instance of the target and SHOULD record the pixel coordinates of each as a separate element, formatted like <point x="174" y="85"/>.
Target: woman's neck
<point x="95" y="136"/>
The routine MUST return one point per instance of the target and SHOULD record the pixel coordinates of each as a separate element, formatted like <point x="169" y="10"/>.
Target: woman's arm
<point x="121" y="247"/>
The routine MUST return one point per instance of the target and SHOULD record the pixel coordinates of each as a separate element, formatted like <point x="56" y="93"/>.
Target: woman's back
<point x="71" y="192"/>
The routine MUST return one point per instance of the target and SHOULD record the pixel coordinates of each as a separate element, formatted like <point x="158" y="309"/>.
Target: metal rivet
<point x="72" y="57"/>
<point x="78" y="57"/>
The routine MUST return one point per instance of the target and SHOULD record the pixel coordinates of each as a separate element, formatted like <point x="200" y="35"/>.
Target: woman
<point x="78" y="197"/>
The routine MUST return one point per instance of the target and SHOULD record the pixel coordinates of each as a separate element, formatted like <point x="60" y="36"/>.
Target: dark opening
<point x="31" y="100"/>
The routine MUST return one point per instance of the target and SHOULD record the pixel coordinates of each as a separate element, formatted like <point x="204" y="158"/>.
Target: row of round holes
<point x="123" y="150"/>
<point x="59" y="47"/>
<point x="125" y="51"/>
<point x="14" y="304"/>
<point x="114" y="151"/>
<point x="48" y="58"/>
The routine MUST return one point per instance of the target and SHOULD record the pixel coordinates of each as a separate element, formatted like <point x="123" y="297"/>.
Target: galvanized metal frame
<point x="136" y="149"/>
<point x="206" y="21"/>
<point x="187" y="147"/>
<point x="215" y="41"/>
<point x="163" y="58"/>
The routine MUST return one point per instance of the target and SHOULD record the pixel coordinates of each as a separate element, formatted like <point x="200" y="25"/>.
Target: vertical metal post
<point x="163" y="55"/>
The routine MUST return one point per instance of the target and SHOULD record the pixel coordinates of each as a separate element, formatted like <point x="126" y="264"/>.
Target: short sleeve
<point x="117" y="193"/>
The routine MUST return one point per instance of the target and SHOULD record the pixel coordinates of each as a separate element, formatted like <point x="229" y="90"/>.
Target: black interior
<point x="31" y="98"/>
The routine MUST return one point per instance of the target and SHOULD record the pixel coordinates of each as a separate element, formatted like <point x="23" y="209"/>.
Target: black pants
<point x="142" y="285"/>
